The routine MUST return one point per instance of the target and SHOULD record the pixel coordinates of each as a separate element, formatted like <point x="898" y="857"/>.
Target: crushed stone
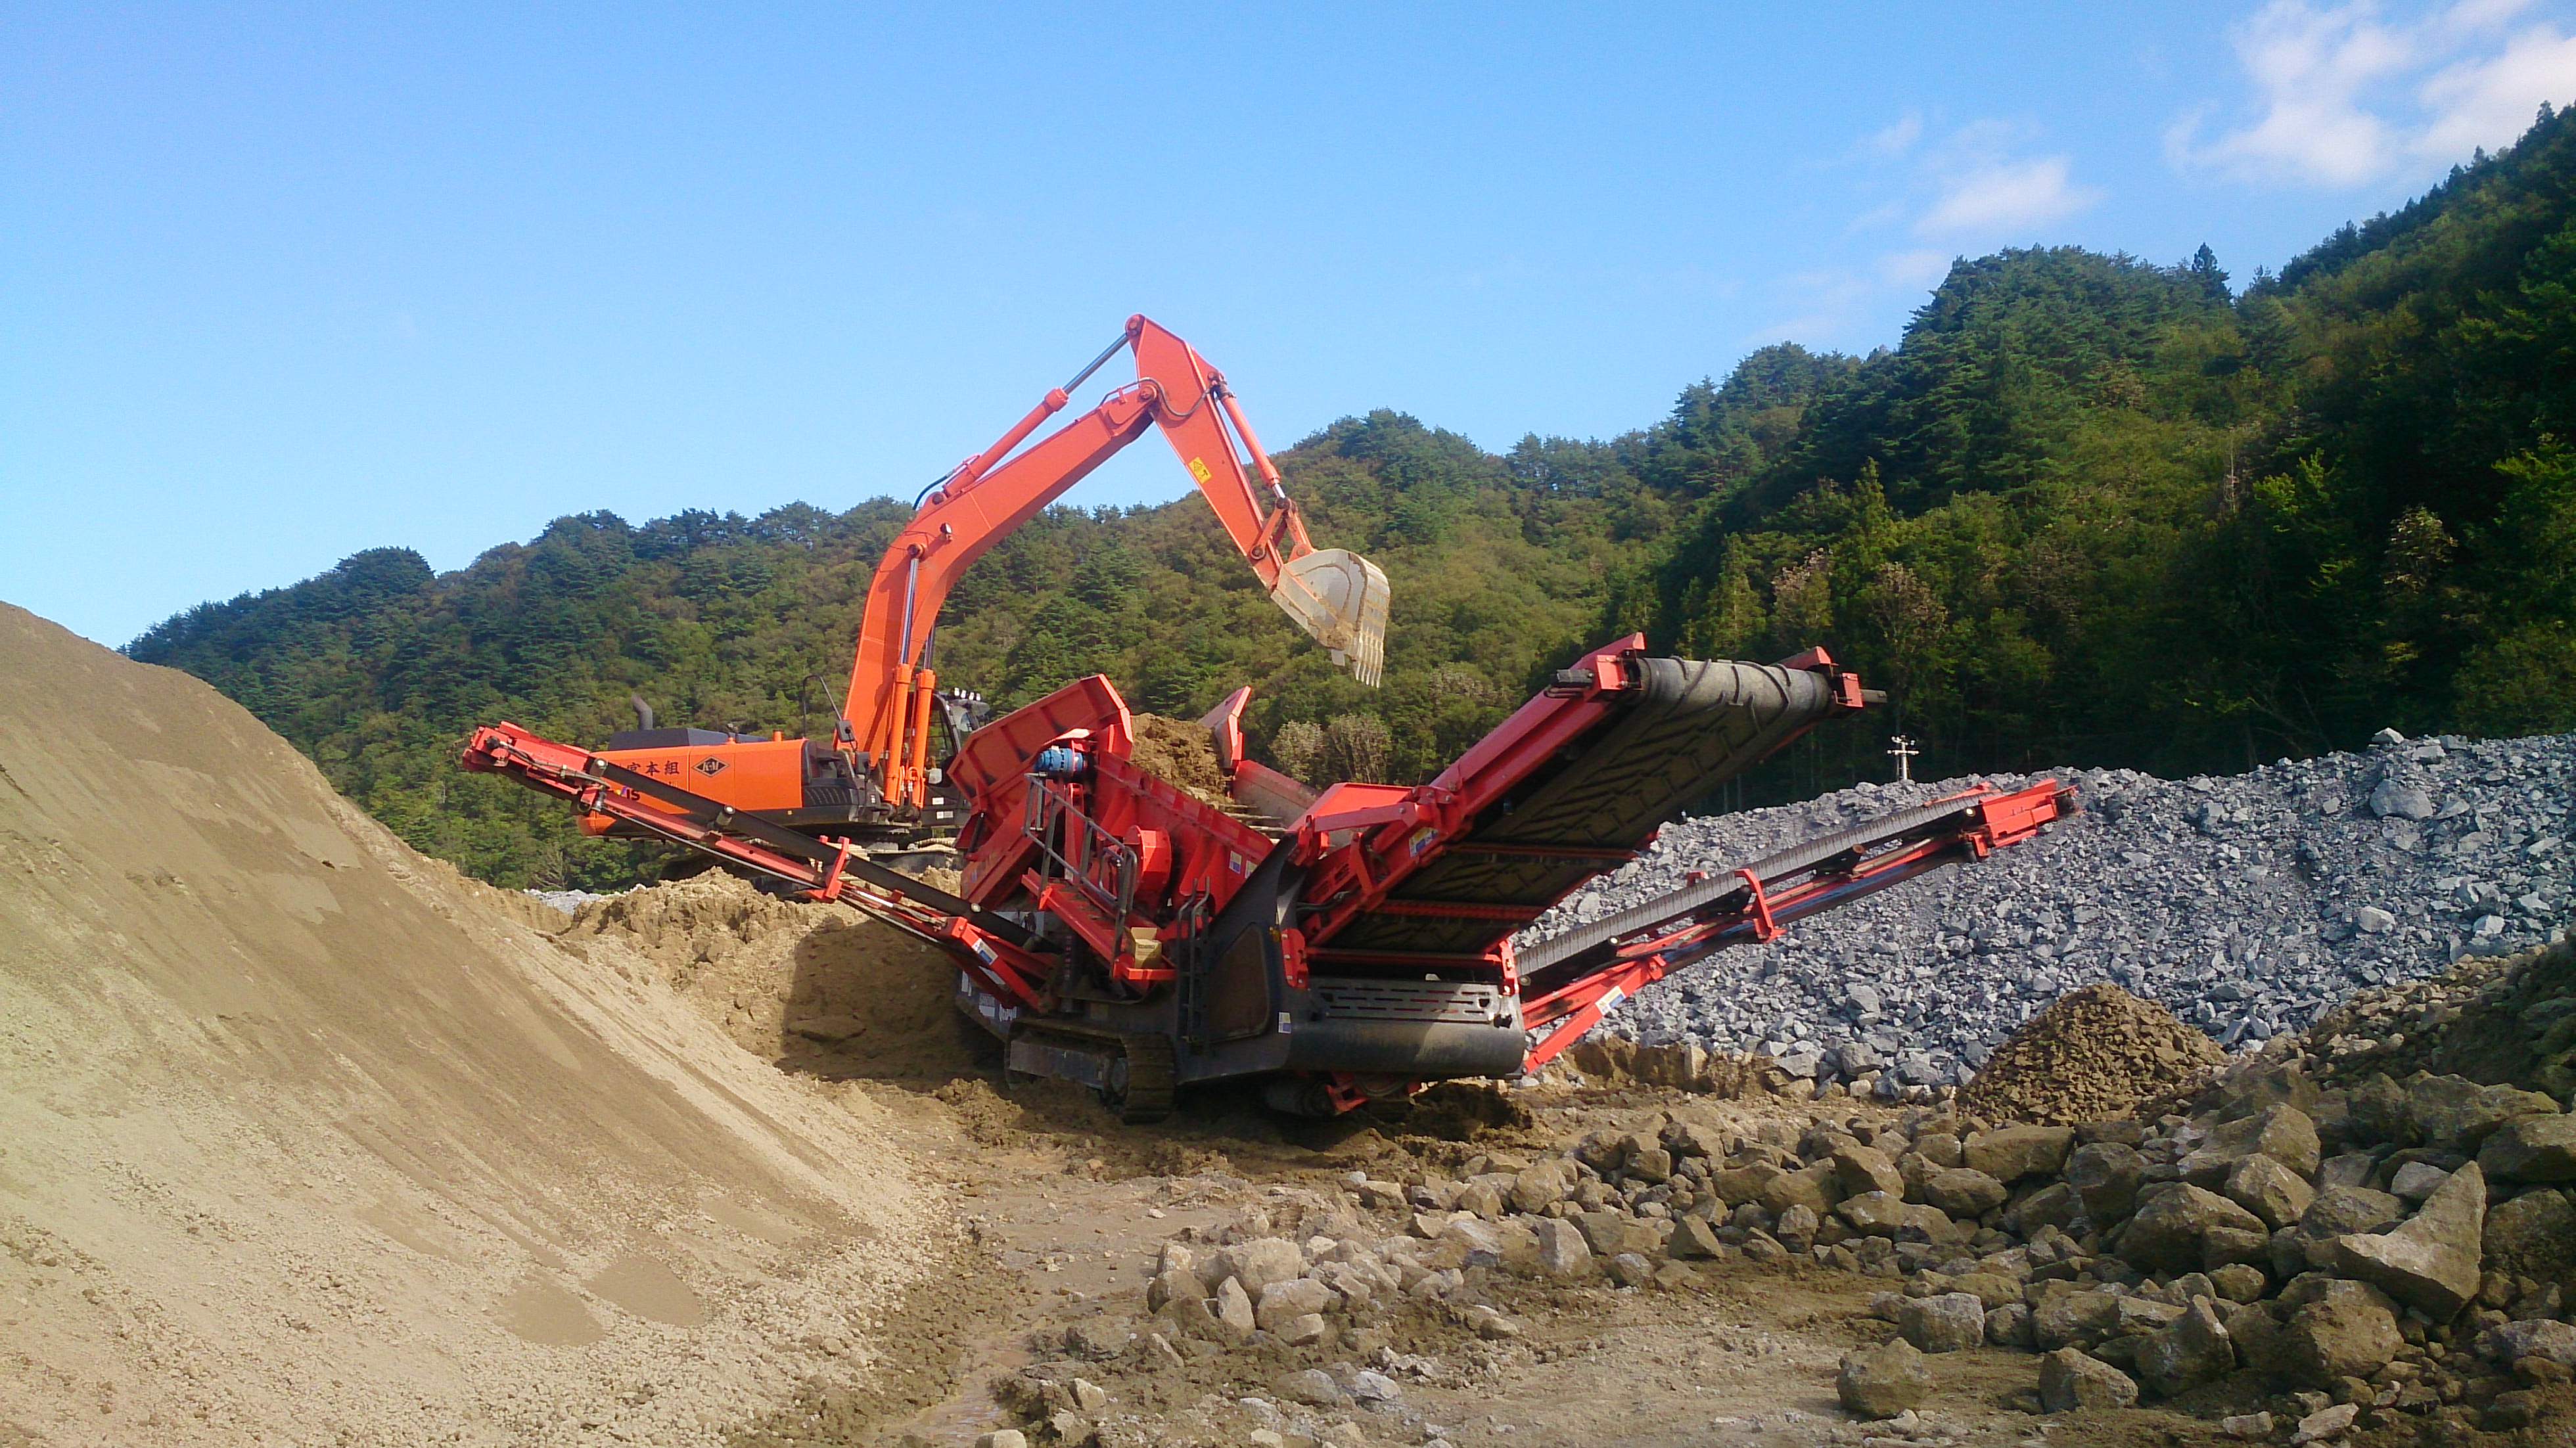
<point x="2509" y="1021"/>
<point x="2248" y="905"/>
<point x="2094" y="1054"/>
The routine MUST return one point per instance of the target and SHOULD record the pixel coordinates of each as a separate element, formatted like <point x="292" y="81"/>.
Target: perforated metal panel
<point x="1471" y="1003"/>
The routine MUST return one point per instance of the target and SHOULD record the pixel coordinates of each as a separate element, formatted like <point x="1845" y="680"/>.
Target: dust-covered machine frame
<point x="1115" y="930"/>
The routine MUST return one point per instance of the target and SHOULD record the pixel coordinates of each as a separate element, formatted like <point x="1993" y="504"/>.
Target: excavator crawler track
<point x="1145" y="1079"/>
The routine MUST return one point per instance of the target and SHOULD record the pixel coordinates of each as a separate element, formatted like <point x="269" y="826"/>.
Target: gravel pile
<point x="2248" y="905"/>
<point x="2096" y="1054"/>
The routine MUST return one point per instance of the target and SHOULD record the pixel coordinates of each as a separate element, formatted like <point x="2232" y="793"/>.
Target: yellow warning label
<point x="1200" y="470"/>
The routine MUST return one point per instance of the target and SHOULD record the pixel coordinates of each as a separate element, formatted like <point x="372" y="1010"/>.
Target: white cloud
<point x="2489" y="102"/>
<point x="2007" y="196"/>
<point x="1912" y="269"/>
<point x="2343" y="95"/>
<point x="1899" y="138"/>
<point x="1963" y="188"/>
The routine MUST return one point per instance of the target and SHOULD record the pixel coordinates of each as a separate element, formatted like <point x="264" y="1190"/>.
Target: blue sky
<point x="280" y="283"/>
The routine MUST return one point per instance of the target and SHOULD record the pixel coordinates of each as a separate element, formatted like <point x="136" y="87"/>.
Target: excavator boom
<point x="1338" y="598"/>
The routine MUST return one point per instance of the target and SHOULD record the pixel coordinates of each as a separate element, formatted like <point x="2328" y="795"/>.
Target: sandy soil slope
<point x="304" y="1138"/>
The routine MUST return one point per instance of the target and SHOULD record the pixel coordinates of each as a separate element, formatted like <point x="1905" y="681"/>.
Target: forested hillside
<point x="2091" y="510"/>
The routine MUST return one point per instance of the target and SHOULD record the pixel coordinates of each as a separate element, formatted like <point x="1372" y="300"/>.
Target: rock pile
<point x="2250" y="905"/>
<point x="2397" y="1248"/>
<point x="2486" y="1019"/>
<point x="2094" y="1054"/>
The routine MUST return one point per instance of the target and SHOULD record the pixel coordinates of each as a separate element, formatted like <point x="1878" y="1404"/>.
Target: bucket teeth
<point x="1340" y="600"/>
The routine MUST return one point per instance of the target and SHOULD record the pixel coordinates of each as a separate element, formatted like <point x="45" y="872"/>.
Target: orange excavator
<point x="880" y="779"/>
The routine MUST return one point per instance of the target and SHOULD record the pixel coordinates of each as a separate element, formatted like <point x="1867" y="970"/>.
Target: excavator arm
<point x="1337" y="597"/>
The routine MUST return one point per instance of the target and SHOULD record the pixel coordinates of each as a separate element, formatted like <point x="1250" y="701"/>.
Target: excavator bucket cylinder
<point x="1339" y="599"/>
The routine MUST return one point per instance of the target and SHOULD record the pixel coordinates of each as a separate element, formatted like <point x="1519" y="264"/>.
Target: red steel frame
<point x="1157" y="855"/>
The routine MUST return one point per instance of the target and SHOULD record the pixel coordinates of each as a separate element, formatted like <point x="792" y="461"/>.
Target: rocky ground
<point x="2274" y="1260"/>
<point x="2250" y="905"/>
<point x="1653" y="1245"/>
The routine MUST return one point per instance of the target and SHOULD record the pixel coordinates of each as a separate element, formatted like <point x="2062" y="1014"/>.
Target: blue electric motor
<point x="1060" y="761"/>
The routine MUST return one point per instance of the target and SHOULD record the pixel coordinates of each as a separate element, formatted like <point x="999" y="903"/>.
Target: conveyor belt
<point x="1728" y="890"/>
<point x="1689" y="727"/>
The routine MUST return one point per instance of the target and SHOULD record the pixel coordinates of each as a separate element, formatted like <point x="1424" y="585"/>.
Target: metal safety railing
<point x="1073" y="847"/>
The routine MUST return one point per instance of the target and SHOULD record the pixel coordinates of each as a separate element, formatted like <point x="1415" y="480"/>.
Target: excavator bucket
<point x="1339" y="599"/>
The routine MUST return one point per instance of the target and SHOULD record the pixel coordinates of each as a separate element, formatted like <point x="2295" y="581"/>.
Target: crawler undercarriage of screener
<point x="1116" y="930"/>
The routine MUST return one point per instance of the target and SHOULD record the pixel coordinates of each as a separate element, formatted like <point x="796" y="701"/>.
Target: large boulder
<point x="2269" y="1190"/>
<point x="2182" y="1227"/>
<point x="2054" y="1205"/>
<point x="2010" y="1153"/>
<point x="1796" y="1229"/>
<point x="2194" y="1350"/>
<point x="2106" y="1175"/>
<point x="1232" y="1308"/>
<point x="1736" y="1185"/>
<point x="1816" y="1188"/>
<point x="2070" y="1380"/>
<point x="1866" y="1169"/>
<point x="1610" y="1233"/>
<point x="2432" y="1261"/>
<point x="1994" y="1289"/>
<point x="2531" y="1149"/>
<point x="2511" y="1342"/>
<point x="1465" y="1242"/>
<point x="2534" y="1235"/>
<point x="2459" y="1114"/>
<point x="1541" y="1183"/>
<point x="1645" y="1158"/>
<point x="2073" y="1319"/>
<point x="2008" y="1325"/>
<point x="2334" y="1212"/>
<point x="2337" y="1210"/>
<point x="1256" y="1264"/>
<point x="1883" y="1381"/>
<point x="1562" y="1252"/>
<point x="1883" y="1214"/>
<point x="1296" y="1297"/>
<point x="1945" y="1322"/>
<point x="2345" y="1330"/>
<point x="2283" y="1133"/>
<point x="1962" y="1191"/>
<point x="1694" y="1239"/>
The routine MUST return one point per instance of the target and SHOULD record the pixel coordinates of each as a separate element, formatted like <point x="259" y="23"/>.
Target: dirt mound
<point x="819" y="988"/>
<point x="2093" y="1055"/>
<point x="305" y="1138"/>
<point x="1179" y="752"/>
